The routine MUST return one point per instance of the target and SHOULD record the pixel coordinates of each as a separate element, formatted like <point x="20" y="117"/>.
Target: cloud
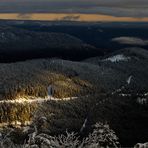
<point x="24" y="16"/>
<point x="130" y="8"/>
<point x="70" y="18"/>
<point x="130" y="41"/>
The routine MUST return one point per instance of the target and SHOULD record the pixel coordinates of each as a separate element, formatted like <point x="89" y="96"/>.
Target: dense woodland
<point x="124" y="115"/>
<point x="33" y="78"/>
<point x="89" y="87"/>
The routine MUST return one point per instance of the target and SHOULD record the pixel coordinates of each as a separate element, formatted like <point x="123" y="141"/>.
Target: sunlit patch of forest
<point x="33" y="78"/>
<point x="123" y="114"/>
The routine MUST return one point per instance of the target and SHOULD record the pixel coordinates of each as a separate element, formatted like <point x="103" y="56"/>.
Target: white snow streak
<point x="129" y="80"/>
<point x="16" y="123"/>
<point x="118" y="58"/>
<point x="36" y="100"/>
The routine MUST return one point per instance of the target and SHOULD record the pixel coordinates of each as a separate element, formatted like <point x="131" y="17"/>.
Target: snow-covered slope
<point x="117" y="58"/>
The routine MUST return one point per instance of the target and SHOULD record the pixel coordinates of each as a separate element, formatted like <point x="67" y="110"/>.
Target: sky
<point x="120" y="9"/>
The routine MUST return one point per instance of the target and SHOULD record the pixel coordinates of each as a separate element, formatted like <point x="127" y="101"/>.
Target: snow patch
<point x="84" y="125"/>
<point x="125" y="95"/>
<point x="146" y="94"/>
<point x="118" y="90"/>
<point x="129" y="79"/>
<point x="30" y="99"/>
<point x="142" y="101"/>
<point x="118" y="58"/>
<point x="50" y="90"/>
<point x="15" y="123"/>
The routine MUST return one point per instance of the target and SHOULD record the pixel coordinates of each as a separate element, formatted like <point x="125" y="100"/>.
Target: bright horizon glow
<point x="71" y="16"/>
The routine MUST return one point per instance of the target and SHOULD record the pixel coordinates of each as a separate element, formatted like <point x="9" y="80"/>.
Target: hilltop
<point x="19" y="44"/>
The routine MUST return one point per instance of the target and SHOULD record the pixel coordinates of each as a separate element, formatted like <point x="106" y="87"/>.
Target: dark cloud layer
<point x="133" y="8"/>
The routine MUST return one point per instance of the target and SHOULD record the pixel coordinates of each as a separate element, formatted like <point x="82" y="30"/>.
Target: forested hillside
<point x="58" y="88"/>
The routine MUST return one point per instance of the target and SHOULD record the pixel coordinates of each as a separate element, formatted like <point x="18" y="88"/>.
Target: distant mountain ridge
<point x="128" y="62"/>
<point x="19" y="44"/>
